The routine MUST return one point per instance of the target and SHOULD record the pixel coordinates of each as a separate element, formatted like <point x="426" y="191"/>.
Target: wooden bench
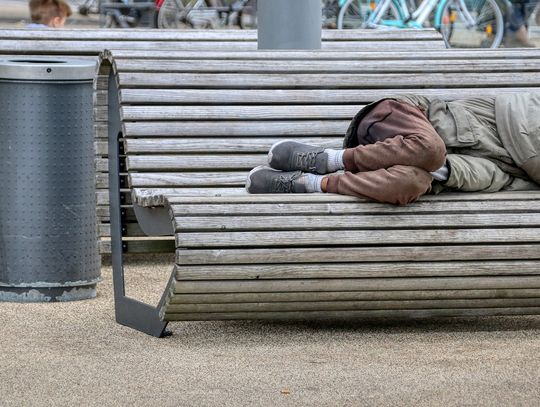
<point x="189" y="45"/>
<point x="186" y="134"/>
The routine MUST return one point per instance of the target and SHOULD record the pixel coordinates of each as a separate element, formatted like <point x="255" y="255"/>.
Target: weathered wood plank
<point x="351" y="305"/>
<point x="356" y="237"/>
<point x="101" y="148"/>
<point x="366" y="314"/>
<point x="157" y="197"/>
<point x="360" y="284"/>
<point x="224" y="298"/>
<point x="343" y="66"/>
<point x="94" y="47"/>
<point x="419" y="207"/>
<point x="245" y="112"/>
<point x="162" y="195"/>
<point x="297" y="96"/>
<point x="280" y="222"/>
<point x="141" y="34"/>
<point x="314" y="198"/>
<point x="193" y="162"/>
<point x="453" y="268"/>
<point x="205" y="179"/>
<point x="229" y="145"/>
<point x="358" y="254"/>
<point x="317" y="81"/>
<point x="292" y="128"/>
<point x="329" y="54"/>
<point x="146" y="245"/>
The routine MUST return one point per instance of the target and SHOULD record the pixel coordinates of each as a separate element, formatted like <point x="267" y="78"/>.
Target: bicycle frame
<point x="407" y="20"/>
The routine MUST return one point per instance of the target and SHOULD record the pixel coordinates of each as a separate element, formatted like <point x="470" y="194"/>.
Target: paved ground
<point x="75" y="354"/>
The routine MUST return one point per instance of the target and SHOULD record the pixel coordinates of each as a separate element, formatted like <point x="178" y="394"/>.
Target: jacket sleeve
<point x="470" y="174"/>
<point x="422" y="102"/>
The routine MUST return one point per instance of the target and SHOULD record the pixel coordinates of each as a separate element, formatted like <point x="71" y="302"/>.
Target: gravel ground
<point x="75" y="354"/>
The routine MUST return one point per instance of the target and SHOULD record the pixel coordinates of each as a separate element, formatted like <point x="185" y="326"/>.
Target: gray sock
<point x="335" y="160"/>
<point x="312" y="182"/>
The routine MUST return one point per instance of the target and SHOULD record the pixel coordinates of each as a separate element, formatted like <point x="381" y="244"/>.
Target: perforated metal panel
<point x="48" y="237"/>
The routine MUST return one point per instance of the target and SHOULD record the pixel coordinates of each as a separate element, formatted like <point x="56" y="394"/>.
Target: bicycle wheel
<point x="185" y="14"/>
<point x="471" y="24"/>
<point x="355" y="13"/>
<point x="248" y="15"/>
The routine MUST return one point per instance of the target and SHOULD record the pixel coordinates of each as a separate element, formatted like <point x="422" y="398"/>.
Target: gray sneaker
<point x="266" y="180"/>
<point x="289" y="155"/>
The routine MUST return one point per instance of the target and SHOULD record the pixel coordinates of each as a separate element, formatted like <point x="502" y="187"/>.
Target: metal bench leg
<point x="129" y="312"/>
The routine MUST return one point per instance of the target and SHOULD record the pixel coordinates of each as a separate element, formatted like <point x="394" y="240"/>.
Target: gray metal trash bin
<point x="48" y="237"/>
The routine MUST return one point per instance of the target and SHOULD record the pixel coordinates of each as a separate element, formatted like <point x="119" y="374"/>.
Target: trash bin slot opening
<point x="36" y="61"/>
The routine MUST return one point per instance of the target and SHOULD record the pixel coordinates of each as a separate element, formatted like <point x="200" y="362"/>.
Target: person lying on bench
<point x="397" y="149"/>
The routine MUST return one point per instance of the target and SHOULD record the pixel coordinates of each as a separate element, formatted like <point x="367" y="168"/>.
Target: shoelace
<point x="282" y="183"/>
<point x="306" y="161"/>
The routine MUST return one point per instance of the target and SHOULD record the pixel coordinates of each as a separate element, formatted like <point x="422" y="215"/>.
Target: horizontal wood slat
<point x="94" y="47"/>
<point x="364" y="314"/>
<point x="187" y="179"/>
<point x="333" y="222"/>
<point x="292" y="128"/>
<point x="358" y="284"/>
<point x="216" y="145"/>
<point x="421" y="207"/>
<point x="308" y="198"/>
<point x="141" y="34"/>
<point x="462" y="252"/>
<point x="388" y="295"/>
<point x="398" y="269"/>
<point x="343" y="66"/>
<point x="317" y="81"/>
<point x="193" y="162"/>
<point x="294" y="96"/>
<point x="356" y="237"/>
<point x="328" y="54"/>
<point x="351" y="305"/>
<point x="140" y="113"/>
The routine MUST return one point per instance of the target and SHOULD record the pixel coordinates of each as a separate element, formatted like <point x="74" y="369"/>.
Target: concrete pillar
<point x="289" y="24"/>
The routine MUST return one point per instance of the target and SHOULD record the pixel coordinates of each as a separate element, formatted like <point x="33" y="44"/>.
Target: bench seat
<point x="313" y="256"/>
<point x="182" y="140"/>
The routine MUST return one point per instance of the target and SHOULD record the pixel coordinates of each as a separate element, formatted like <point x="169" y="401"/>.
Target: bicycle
<point x="462" y="23"/>
<point x="121" y="13"/>
<point x="206" y="14"/>
<point x="350" y="15"/>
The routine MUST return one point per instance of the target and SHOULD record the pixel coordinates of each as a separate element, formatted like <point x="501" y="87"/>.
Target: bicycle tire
<point x="355" y="14"/>
<point x="471" y="23"/>
<point x="187" y="14"/>
<point x="247" y="17"/>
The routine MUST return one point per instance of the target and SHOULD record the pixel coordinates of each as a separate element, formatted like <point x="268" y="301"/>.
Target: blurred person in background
<point x="517" y="33"/>
<point x="48" y="13"/>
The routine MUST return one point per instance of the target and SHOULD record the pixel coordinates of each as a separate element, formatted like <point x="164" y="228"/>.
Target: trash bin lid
<point x="47" y="69"/>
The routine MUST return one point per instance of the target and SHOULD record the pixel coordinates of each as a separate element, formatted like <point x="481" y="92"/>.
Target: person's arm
<point x="470" y="174"/>
<point x="419" y="101"/>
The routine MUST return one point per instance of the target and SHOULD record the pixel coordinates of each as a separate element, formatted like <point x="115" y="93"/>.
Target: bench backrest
<point x="94" y="41"/>
<point x="197" y="125"/>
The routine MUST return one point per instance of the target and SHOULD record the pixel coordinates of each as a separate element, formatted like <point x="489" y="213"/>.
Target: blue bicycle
<point x="463" y="23"/>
